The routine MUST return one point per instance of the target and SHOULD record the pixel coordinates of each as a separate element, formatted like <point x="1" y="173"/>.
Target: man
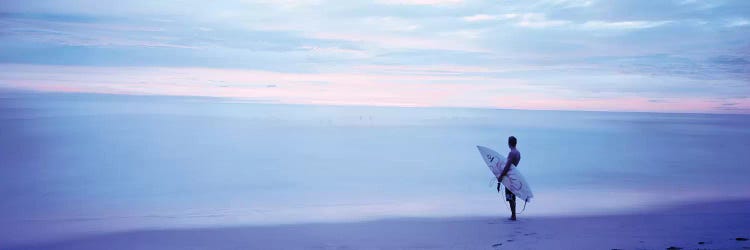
<point x="514" y="157"/>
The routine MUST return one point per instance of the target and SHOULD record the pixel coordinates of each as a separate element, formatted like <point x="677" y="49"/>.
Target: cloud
<point x="388" y="40"/>
<point x="555" y="50"/>
<point x="481" y="18"/>
<point x="724" y="67"/>
<point x="540" y="20"/>
<point x="731" y="60"/>
<point x="658" y="100"/>
<point x="421" y="2"/>
<point x="734" y="106"/>
<point x="623" y="24"/>
<point x="425" y="69"/>
<point x="445" y="86"/>
<point x="289" y="3"/>
<point x="389" y="23"/>
<point x="568" y="3"/>
<point x="71" y="31"/>
<point x="468" y="34"/>
<point x="337" y="52"/>
<point x="534" y="20"/>
<point x="739" y="22"/>
<point x="304" y="88"/>
<point x="702" y="5"/>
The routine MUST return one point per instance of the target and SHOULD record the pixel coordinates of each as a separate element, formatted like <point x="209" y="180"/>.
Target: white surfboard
<point x="514" y="181"/>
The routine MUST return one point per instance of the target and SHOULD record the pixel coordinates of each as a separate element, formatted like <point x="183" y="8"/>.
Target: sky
<point x="654" y="56"/>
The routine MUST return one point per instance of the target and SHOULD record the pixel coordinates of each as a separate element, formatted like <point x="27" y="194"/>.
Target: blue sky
<point x="663" y="56"/>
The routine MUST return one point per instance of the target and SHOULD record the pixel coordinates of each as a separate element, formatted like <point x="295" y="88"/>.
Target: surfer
<point x="514" y="157"/>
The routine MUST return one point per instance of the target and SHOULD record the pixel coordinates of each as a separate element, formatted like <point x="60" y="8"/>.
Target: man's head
<point x="512" y="141"/>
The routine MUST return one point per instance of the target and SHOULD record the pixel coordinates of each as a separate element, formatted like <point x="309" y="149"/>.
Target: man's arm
<point x="505" y="170"/>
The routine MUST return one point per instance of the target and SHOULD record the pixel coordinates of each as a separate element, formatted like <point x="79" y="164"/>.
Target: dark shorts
<point x="509" y="196"/>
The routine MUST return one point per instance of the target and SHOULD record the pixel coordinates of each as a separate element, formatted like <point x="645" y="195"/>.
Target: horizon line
<point x="239" y="100"/>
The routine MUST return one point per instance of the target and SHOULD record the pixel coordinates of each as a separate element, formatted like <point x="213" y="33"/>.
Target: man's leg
<point x="513" y="208"/>
<point x="511" y="198"/>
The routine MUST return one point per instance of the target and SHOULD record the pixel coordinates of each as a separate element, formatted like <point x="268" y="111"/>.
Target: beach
<point x="90" y="171"/>
<point x="715" y="225"/>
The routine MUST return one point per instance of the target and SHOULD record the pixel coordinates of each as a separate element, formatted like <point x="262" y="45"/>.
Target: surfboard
<point x="514" y="181"/>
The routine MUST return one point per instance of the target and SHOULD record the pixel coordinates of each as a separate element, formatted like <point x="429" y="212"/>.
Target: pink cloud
<point x="442" y="86"/>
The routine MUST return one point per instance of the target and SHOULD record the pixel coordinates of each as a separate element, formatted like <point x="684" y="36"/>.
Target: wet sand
<point x="711" y="225"/>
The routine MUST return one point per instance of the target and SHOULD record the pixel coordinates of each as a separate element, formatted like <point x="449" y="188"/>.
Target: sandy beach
<point x="711" y="225"/>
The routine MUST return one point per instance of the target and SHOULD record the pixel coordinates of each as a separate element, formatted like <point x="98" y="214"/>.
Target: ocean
<point x="75" y="164"/>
